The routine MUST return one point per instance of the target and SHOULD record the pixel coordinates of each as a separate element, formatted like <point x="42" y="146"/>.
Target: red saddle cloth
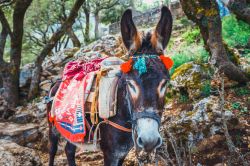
<point x="68" y="105"/>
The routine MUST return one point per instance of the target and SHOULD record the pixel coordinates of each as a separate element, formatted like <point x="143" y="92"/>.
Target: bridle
<point x="134" y="117"/>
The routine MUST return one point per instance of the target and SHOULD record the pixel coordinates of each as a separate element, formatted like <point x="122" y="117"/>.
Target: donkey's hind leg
<point x="53" y="142"/>
<point x="70" y="150"/>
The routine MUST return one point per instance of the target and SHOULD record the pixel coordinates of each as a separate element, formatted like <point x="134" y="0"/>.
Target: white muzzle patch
<point x="148" y="134"/>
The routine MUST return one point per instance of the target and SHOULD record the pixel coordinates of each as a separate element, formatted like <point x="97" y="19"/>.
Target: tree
<point x="113" y="14"/>
<point x="99" y="5"/>
<point x="34" y="87"/>
<point x="69" y="31"/>
<point x="206" y="15"/>
<point x="9" y="71"/>
<point x="86" y="9"/>
<point x="241" y="8"/>
<point x="44" y="17"/>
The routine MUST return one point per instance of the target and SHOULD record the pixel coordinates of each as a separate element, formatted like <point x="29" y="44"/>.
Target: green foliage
<point x="192" y="35"/>
<point x="244" y="110"/>
<point x="206" y="88"/>
<point x="113" y="14"/>
<point x="235" y="32"/>
<point x="241" y="91"/>
<point x="185" y="21"/>
<point x="236" y="105"/>
<point x="189" y="53"/>
<point x="183" y="98"/>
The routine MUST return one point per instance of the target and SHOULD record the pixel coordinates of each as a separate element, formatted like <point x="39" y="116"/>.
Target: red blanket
<point x="68" y="105"/>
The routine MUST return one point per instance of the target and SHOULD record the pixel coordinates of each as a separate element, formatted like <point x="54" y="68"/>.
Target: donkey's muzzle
<point x="149" y="145"/>
<point x="148" y="136"/>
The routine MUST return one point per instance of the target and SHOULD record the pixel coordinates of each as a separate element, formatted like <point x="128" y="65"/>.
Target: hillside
<point x="199" y="113"/>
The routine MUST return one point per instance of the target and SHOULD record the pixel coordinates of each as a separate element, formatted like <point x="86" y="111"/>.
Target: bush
<point x="192" y="35"/>
<point x="189" y="53"/>
<point x="235" y="32"/>
<point x="206" y="88"/>
<point x="241" y="91"/>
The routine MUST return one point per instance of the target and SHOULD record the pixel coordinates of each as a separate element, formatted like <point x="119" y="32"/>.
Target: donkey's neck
<point x="123" y="116"/>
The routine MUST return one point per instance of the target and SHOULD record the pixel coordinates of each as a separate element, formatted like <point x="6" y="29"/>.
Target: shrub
<point x="235" y="32"/>
<point x="241" y="91"/>
<point x="183" y="98"/>
<point x="192" y="35"/>
<point x="189" y="53"/>
<point x="206" y="89"/>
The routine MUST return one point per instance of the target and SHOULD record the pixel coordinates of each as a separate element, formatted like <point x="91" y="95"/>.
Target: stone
<point x="59" y="59"/>
<point x="203" y="121"/>
<point x="5" y="111"/>
<point x="12" y="154"/>
<point x="21" y="134"/>
<point x="191" y="78"/>
<point x="25" y="75"/>
<point x="45" y="85"/>
<point x="41" y="106"/>
<point x="245" y="65"/>
<point x="106" y="46"/>
<point x="22" y="118"/>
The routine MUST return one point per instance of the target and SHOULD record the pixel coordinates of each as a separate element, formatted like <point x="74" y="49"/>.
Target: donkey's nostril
<point x="159" y="142"/>
<point x="149" y="145"/>
<point x="139" y="142"/>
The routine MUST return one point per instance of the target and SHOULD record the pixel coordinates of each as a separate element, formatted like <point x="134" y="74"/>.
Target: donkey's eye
<point x="130" y="85"/>
<point x="133" y="89"/>
<point x="162" y="88"/>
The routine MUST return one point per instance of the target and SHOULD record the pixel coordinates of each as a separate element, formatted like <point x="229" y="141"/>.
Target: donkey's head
<point x="146" y="90"/>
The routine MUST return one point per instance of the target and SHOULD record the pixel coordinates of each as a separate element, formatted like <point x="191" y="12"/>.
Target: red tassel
<point x="168" y="62"/>
<point x="51" y="119"/>
<point x="126" y="66"/>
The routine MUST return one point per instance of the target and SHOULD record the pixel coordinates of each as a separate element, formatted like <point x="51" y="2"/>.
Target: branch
<point x="60" y="32"/>
<point x="4" y="3"/>
<point x="35" y="40"/>
<point x="76" y="42"/>
<point x="241" y="9"/>
<point x="3" y="37"/>
<point x="107" y="5"/>
<point x="232" y="148"/>
<point x="20" y="9"/>
<point x="34" y="87"/>
<point x="5" y="22"/>
<point x="209" y="23"/>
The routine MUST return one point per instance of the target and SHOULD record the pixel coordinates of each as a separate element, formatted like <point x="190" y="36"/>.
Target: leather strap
<point x="144" y="114"/>
<point x="117" y="126"/>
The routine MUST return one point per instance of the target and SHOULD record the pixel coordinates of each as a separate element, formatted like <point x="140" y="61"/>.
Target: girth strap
<point x="106" y="121"/>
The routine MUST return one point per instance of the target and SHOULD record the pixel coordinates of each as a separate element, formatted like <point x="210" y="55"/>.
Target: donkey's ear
<point x="163" y="30"/>
<point x="130" y="36"/>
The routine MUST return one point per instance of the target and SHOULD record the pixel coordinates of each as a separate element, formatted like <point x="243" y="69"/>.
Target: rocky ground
<point x="192" y="123"/>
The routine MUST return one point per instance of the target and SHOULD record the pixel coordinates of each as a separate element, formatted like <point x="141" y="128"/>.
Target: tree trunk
<point x="3" y="37"/>
<point x="241" y="8"/>
<point x="34" y="87"/>
<point x="87" y="15"/>
<point x="97" y="20"/>
<point x="206" y="15"/>
<point x="73" y="37"/>
<point x="10" y="70"/>
<point x="11" y="87"/>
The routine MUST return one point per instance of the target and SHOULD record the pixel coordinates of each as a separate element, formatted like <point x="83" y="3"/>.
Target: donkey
<point x="140" y="99"/>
